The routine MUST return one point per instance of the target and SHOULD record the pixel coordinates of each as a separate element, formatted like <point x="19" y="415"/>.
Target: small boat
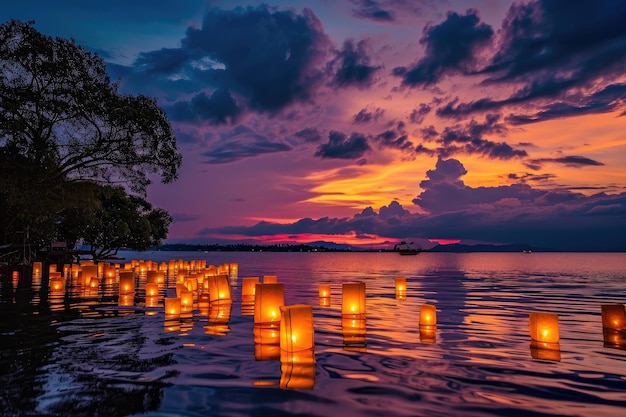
<point x="404" y="249"/>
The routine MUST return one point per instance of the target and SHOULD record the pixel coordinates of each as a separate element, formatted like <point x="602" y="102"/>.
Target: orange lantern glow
<point x="248" y="288"/>
<point x="126" y="299"/>
<point x="127" y="282"/>
<point x="186" y="301"/>
<point x="353" y="299"/>
<point x="180" y="288"/>
<point x="233" y="270"/>
<point x="428" y="315"/>
<point x="544" y="327"/>
<point x="94" y="282"/>
<point x="37" y="268"/>
<point x="219" y="288"/>
<point x="89" y="272"/>
<point x="152" y="289"/>
<point x="297" y="370"/>
<point x="151" y="276"/>
<point x="613" y="316"/>
<point x="172" y="306"/>
<point x="324" y="291"/>
<point x="57" y="285"/>
<point x="296" y="327"/>
<point x="401" y="288"/>
<point x="267" y="301"/>
<point x="152" y="301"/>
<point x="270" y="279"/>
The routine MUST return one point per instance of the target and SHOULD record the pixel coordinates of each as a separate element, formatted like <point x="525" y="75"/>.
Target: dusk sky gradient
<point x="372" y="121"/>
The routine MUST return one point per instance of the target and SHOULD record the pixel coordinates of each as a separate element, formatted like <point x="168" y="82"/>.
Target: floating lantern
<point x="186" y="301"/>
<point x="428" y="315"/>
<point x="127" y="281"/>
<point x="57" y="284"/>
<point x="172" y="306"/>
<point x="353" y="299"/>
<point x="324" y="291"/>
<point x="180" y="277"/>
<point x="270" y="279"/>
<point x="219" y="288"/>
<point x="233" y="270"/>
<point x="191" y="283"/>
<point x="37" y="268"/>
<point x="401" y="288"/>
<point x="52" y="268"/>
<point x="544" y="327"/>
<point x="297" y="370"/>
<point x="89" y="272"/>
<point x="248" y="287"/>
<point x="151" y="276"/>
<point x="267" y="301"/>
<point x="613" y="316"/>
<point x="94" y="282"/>
<point x="180" y="288"/>
<point x="296" y="328"/>
<point x="152" y="289"/>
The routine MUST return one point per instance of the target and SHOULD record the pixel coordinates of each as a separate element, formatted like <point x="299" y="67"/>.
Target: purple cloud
<point x="351" y="65"/>
<point x="450" y="49"/>
<point x="340" y="146"/>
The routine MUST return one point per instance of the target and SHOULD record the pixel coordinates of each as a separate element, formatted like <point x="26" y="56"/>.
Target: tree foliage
<point x="64" y="129"/>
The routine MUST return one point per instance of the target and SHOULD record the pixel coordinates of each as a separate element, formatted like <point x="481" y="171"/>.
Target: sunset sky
<point x="372" y="121"/>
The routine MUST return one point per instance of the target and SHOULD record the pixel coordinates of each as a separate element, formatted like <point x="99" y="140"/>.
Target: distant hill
<point x="460" y="248"/>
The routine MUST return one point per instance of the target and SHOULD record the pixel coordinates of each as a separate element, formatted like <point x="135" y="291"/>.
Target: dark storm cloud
<point x="560" y="52"/>
<point x="570" y="161"/>
<point x="470" y="139"/>
<point x="242" y="142"/>
<point x="309" y="134"/>
<point x="351" y="65"/>
<point x="372" y="10"/>
<point x="340" y="146"/>
<point x="395" y="139"/>
<point x="366" y="115"/>
<point x="450" y="48"/>
<point x="219" y="108"/>
<point x="265" y="57"/>
<point x="561" y="220"/>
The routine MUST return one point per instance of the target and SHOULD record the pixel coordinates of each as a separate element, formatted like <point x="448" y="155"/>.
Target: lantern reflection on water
<point x="219" y="316"/>
<point x="266" y="342"/>
<point x="353" y="330"/>
<point x="400" y="288"/>
<point x="353" y="299"/>
<point x="297" y="370"/>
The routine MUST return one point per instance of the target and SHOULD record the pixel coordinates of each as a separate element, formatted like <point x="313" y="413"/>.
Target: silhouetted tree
<point x="62" y="120"/>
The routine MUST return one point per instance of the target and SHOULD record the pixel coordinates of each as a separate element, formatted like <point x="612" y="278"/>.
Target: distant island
<point x="334" y="247"/>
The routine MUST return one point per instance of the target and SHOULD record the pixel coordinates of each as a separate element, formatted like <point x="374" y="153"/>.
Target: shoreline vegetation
<point x="332" y="247"/>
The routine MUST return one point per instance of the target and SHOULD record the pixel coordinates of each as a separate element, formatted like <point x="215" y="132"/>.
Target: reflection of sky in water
<point x="100" y="357"/>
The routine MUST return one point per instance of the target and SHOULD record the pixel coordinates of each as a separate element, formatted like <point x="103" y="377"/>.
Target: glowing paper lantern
<point x="428" y="315"/>
<point x="152" y="289"/>
<point x="151" y="276"/>
<point x="219" y="288"/>
<point x="233" y="270"/>
<point x="613" y="316"/>
<point x="127" y="282"/>
<point x="544" y="327"/>
<point x="37" y="268"/>
<point x="180" y="288"/>
<point x="324" y="291"/>
<point x="172" y="306"/>
<point x="353" y="299"/>
<point x="296" y="327"/>
<point x="248" y="288"/>
<point x="186" y="301"/>
<point x="270" y="279"/>
<point x="267" y="301"/>
<point x="401" y="288"/>
<point x="94" y="282"/>
<point x="57" y="285"/>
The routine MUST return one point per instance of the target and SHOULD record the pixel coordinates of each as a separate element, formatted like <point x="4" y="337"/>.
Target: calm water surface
<point x="88" y="356"/>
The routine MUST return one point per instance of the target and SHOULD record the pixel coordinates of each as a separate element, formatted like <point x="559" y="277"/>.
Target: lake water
<point x="89" y="356"/>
